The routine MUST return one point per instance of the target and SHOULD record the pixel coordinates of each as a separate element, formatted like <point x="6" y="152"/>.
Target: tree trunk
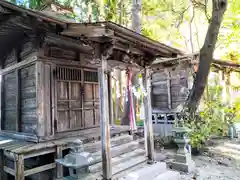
<point x="206" y="54"/>
<point x="136" y="19"/>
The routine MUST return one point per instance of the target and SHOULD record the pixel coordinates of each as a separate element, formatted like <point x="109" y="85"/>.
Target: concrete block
<point x="184" y="167"/>
<point x="148" y="172"/>
<point x="183" y="158"/>
<point x="169" y="175"/>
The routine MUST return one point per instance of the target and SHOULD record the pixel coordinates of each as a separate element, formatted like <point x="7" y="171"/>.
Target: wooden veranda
<point x="55" y="83"/>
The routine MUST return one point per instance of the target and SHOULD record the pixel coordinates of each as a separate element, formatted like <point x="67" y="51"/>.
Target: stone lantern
<point x="77" y="161"/>
<point x="183" y="160"/>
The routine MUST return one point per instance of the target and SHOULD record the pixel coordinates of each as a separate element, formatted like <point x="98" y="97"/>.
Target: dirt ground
<point x="221" y="162"/>
<point x="213" y="169"/>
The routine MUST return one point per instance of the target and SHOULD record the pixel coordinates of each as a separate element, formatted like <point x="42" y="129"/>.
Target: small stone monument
<point x="77" y="161"/>
<point x="183" y="159"/>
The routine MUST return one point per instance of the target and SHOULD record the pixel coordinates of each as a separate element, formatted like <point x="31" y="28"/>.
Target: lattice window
<point x="90" y="76"/>
<point x="68" y="74"/>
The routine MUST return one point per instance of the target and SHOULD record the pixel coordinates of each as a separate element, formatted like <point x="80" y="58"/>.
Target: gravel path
<point x="207" y="168"/>
<point x="213" y="169"/>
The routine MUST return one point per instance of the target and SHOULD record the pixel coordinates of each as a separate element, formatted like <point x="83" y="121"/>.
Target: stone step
<point x="118" y="150"/>
<point x="118" y="159"/>
<point x="116" y="141"/>
<point x="120" y="164"/>
<point x="119" y="170"/>
<point x="168" y="175"/>
<point x="147" y="172"/>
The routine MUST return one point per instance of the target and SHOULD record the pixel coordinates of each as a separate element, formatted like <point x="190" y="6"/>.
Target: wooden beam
<point x="68" y="42"/>
<point x="20" y="135"/>
<point x="39" y="169"/>
<point x="148" y="116"/>
<point x="104" y="121"/>
<point x="91" y="31"/>
<point x="30" y="59"/>
<point x="128" y="49"/>
<point x="9" y="170"/>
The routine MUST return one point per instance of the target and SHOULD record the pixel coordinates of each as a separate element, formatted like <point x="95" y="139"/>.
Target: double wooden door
<point x="77" y="98"/>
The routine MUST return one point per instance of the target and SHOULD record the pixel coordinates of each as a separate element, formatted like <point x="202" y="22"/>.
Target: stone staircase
<point x="128" y="162"/>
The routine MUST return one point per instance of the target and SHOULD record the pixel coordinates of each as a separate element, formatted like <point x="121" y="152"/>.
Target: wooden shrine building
<point x="54" y="83"/>
<point x="172" y="79"/>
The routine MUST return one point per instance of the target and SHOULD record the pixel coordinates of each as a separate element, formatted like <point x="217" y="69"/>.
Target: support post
<point x="110" y="98"/>
<point x="104" y="119"/>
<point x="148" y="116"/>
<point x="169" y="89"/>
<point x="19" y="167"/>
<point x="59" y="168"/>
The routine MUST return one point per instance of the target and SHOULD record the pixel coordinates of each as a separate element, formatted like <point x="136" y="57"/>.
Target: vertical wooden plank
<point x="69" y="105"/>
<point x="18" y="123"/>
<point x="59" y="168"/>
<point x="82" y="97"/>
<point x="169" y="89"/>
<point x="53" y="96"/>
<point x="19" y="167"/>
<point x="40" y="97"/>
<point x="104" y="119"/>
<point x="47" y="98"/>
<point x="148" y="116"/>
<point x="94" y="103"/>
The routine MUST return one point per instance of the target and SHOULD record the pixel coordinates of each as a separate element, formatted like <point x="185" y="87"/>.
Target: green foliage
<point x="214" y="119"/>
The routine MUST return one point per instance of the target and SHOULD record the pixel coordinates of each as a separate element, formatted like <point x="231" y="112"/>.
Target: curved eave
<point x="115" y="31"/>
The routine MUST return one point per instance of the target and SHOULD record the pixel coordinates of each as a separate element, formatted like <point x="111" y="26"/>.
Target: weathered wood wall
<point x="168" y="87"/>
<point x="56" y="92"/>
<point x="19" y="91"/>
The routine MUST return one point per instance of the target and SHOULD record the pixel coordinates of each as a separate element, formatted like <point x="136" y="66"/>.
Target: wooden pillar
<point x="228" y="87"/>
<point x="169" y="89"/>
<point x="148" y="117"/>
<point x="111" y="117"/>
<point x="43" y="89"/>
<point x="19" y="167"/>
<point x="59" y="168"/>
<point x="104" y="121"/>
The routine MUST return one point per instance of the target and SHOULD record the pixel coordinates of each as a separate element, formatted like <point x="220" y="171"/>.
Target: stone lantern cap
<point x="76" y="158"/>
<point x="181" y="129"/>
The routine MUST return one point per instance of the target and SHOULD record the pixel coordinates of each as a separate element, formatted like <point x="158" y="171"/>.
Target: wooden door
<point x="69" y="99"/>
<point x="91" y="99"/>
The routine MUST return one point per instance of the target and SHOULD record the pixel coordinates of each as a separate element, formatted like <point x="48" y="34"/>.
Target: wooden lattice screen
<point x="77" y="98"/>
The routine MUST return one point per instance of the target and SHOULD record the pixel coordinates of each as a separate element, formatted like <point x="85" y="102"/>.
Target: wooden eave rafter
<point x="120" y="34"/>
<point x="68" y="42"/>
<point x="193" y="59"/>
